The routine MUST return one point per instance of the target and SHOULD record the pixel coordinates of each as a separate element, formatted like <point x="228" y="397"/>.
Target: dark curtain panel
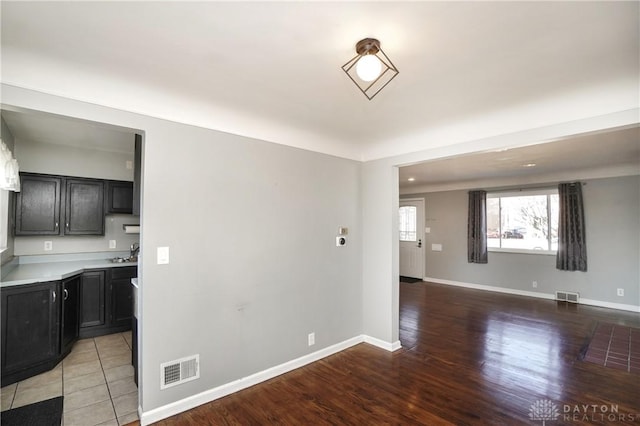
<point x="477" y="228"/>
<point x="572" y="245"/>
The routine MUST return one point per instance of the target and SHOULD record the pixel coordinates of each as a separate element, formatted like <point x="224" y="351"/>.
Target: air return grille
<point x="179" y="371"/>
<point x="567" y="296"/>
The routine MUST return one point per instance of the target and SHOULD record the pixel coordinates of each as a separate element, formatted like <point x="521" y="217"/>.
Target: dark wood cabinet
<point x="134" y="348"/>
<point x="37" y="209"/>
<point x="40" y="322"/>
<point x="92" y="297"/>
<point x="119" y="197"/>
<point x="137" y="176"/>
<point x="70" y="328"/>
<point x="84" y="207"/>
<point x="122" y="296"/>
<point x="30" y="330"/>
<point x="59" y="205"/>
<point x="107" y="304"/>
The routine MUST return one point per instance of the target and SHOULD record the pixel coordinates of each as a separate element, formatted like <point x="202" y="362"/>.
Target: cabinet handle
<point x="66" y="294"/>
<point x="57" y="225"/>
<point x="67" y="225"/>
<point x="54" y="296"/>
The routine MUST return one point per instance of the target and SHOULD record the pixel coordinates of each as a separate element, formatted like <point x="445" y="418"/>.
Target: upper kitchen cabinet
<point x="137" y="175"/>
<point x="84" y="207"/>
<point x="38" y="205"/>
<point x="57" y="205"/>
<point x="119" y="197"/>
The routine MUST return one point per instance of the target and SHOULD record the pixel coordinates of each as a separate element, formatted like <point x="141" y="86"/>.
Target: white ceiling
<point x="612" y="153"/>
<point x="271" y="70"/>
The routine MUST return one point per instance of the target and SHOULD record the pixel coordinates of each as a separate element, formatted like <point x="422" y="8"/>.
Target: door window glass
<point x="408" y="223"/>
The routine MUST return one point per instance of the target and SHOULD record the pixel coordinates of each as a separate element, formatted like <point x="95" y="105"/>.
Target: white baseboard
<point x="610" y="305"/>
<point x="193" y="401"/>
<point x="391" y="347"/>
<point x="492" y="288"/>
<point x="548" y="296"/>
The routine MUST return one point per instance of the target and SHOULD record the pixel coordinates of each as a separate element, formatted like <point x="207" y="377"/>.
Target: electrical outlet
<point x="621" y="292"/>
<point x="129" y="165"/>
<point x="312" y="339"/>
<point x="48" y="245"/>
<point x="535" y="284"/>
<point x="112" y="244"/>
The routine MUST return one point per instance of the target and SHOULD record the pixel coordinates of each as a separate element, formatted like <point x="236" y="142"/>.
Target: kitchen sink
<point x="124" y="259"/>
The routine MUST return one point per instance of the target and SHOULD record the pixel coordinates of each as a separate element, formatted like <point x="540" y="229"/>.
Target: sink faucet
<point x="135" y="249"/>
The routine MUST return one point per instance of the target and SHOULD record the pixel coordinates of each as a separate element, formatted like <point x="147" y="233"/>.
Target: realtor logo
<point x="544" y="410"/>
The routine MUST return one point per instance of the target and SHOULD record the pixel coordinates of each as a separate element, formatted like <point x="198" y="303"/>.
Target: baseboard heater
<point x="567" y="296"/>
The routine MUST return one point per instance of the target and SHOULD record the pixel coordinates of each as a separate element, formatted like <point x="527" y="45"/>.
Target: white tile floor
<point x="96" y="379"/>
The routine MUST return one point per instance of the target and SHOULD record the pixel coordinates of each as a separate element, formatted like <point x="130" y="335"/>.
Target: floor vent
<point x="179" y="371"/>
<point x="567" y="296"/>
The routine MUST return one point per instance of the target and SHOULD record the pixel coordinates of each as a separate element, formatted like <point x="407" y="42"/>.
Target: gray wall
<point x="380" y="272"/>
<point x="113" y="230"/>
<point x="72" y="161"/>
<point x="251" y="228"/>
<point x="8" y="139"/>
<point x="612" y="214"/>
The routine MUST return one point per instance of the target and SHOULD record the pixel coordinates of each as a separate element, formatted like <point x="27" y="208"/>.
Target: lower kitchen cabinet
<point x="92" y="296"/>
<point x="70" y="327"/>
<point x="122" y="296"/>
<point x="30" y="330"/>
<point x="107" y="305"/>
<point x="40" y="322"/>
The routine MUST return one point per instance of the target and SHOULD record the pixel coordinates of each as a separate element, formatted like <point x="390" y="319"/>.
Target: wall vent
<point x="567" y="296"/>
<point x="179" y="371"/>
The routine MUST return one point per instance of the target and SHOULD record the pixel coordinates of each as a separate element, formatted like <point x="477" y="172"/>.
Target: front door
<point x="411" y="218"/>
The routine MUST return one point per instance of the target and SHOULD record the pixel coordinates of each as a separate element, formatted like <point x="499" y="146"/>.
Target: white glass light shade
<point x="368" y="67"/>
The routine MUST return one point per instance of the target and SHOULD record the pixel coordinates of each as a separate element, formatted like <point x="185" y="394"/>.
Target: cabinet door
<point x="70" y="312"/>
<point x="30" y="325"/>
<point x="84" y="207"/>
<point x="137" y="176"/>
<point x="37" y="210"/>
<point x="92" y="296"/>
<point x="119" y="197"/>
<point x="122" y="296"/>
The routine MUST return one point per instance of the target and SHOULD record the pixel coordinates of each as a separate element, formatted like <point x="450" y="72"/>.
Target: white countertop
<point x="60" y="268"/>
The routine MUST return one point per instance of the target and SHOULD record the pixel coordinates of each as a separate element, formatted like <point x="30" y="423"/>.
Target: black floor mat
<point x="43" y="413"/>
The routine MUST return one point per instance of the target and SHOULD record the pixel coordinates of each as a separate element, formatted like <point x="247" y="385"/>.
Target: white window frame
<point x="521" y="193"/>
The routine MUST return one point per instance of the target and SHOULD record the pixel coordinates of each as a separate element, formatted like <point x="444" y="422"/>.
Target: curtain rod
<point x="526" y="188"/>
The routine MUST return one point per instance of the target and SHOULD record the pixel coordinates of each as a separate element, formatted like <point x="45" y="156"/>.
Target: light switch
<point x="129" y="165"/>
<point x="163" y="255"/>
<point x="427" y="230"/>
<point x="436" y="247"/>
<point x="112" y="244"/>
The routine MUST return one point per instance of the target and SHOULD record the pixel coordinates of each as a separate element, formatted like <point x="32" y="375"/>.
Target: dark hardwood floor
<point x="469" y="357"/>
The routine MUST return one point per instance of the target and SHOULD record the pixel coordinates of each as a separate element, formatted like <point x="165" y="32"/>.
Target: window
<point x="408" y="223"/>
<point x="523" y="221"/>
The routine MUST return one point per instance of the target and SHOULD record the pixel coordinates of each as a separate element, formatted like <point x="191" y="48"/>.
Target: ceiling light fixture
<point x="411" y="179"/>
<point x="371" y="70"/>
<point x="529" y="165"/>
